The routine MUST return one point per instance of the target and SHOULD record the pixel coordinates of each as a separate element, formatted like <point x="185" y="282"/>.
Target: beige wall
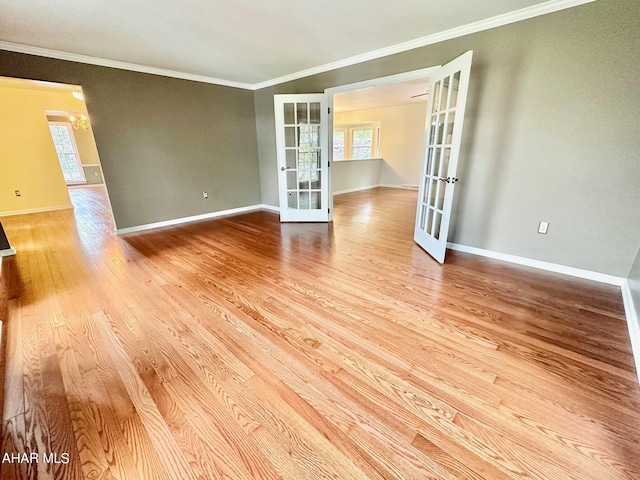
<point x="401" y="139"/>
<point x="28" y="160"/>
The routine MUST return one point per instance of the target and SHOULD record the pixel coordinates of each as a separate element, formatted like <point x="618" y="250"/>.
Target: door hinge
<point x="328" y="210"/>
<point x="329" y="110"/>
<point x="328" y="164"/>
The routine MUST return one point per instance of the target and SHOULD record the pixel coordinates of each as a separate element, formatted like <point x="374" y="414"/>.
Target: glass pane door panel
<point x="433" y="184"/>
<point x="290" y="137"/>
<point x="441" y="190"/>
<point x="439" y="129"/>
<point x="303" y="202"/>
<point x="314" y="161"/>
<point x="449" y="127"/>
<point x="291" y="159"/>
<point x="436" y="98"/>
<point x="316" y="179"/>
<point x="316" y="200"/>
<point x="429" y="160"/>
<point x="445" y="94"/>
<point x="289" y="118"/>
<point x="292" y="180"/>
<point x="308" y="136"/>
<point x="454" y="90"/>
<point x="445" y="162"/>
<point x="429" y="222"/>
<point x="292" y="200"/>
<point x="436" y="163"/>
<point x="436" y="225"/>
<point x="301" y="112"/>
<point x="314" y="113"/>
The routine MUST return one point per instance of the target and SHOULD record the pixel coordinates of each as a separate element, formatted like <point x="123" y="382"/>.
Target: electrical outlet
<point x="205" y="195"/>
<point x="543" y="228"/>
<point x="17" y="193"/>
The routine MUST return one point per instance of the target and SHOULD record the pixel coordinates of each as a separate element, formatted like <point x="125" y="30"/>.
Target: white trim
<point x="387" y="80"/>
<point x="357" y="189"/>
<point x="403" y="186"/>
<point x="195" y="218"/>
<point x="7" y="252"/>
<point x="103" y="62"/>
<point x="35" y="210"/>
<point x="479" y="26"/>
<point x="632" y="323"/>
<point x="550" y="267"/>
<point x="84" y="185"/>
<point x="270" y="208"/>
<point x="379" y="185"/>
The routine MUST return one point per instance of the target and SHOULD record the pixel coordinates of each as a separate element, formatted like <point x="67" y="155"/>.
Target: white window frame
<point x="75" y="149"/>
<point x="344" y="147"/>
<point x="350" y="129"/>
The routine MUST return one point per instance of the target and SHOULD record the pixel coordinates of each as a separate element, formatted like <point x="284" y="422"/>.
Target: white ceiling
<point x="382" y="96"/>
<point x="246" y="43"/>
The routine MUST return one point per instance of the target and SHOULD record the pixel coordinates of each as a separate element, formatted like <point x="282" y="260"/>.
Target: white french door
<point x="302" y="141"/>
<point x="445" y="114"/>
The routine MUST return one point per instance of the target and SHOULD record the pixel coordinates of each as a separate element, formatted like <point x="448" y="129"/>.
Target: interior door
<point x="445" y="114"/>
<point x="302" y="141"/>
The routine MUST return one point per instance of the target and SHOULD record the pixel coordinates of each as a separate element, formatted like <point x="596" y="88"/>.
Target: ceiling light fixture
<point x="79" y="122"/>
<point x="77" y="93"/>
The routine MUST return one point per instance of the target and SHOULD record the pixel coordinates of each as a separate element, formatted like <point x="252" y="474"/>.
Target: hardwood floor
<point x="245" y="348"/>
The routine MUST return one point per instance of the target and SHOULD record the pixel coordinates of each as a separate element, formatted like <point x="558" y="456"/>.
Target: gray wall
<point x="550" y="134"/>
<point x="634" y="283"/>
<point x="162" y="141"/>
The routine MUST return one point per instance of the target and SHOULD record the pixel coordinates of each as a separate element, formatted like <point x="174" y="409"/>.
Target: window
<point x="356" y="141"/>
<point x="361" y="142"/>
<point x="67" y="152"/>
<point x="338" y="143"/>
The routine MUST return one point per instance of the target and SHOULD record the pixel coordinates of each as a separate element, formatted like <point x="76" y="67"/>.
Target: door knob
<point x="282" y="168"/>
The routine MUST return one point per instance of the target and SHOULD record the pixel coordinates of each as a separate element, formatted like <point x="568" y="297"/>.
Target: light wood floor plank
<point x="246" y="348"/>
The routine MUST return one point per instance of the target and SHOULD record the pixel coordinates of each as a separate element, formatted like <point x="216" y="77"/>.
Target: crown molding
<point x="479" y="26"/>
<point x="103" y="62"/>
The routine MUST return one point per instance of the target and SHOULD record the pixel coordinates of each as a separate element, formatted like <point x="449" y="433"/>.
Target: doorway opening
<point x="377" y="132"/>
<point x="303" y="144"/>
<point x="48" y="129"/>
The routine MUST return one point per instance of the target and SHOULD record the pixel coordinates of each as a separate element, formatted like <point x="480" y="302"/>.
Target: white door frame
<point x="374" y="82"/>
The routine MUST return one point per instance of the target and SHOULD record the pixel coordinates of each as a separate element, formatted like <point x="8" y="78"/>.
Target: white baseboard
<point x="629" y="308"/>
<point x="550" y="267"/>
<point x="270" y="208"/>
<point x="357" y="189"/>
<point x="632" y="323"/>
<point x="85" y="185"/>
<point x="195" y="218"/>
<point x="404" y="186"/>
<point x="35" y="210"/>
<point x="368" y="187"/>
<point x="7" y="252"/>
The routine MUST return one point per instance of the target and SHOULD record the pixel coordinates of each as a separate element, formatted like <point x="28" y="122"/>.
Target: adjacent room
<point x="412" y="253"/>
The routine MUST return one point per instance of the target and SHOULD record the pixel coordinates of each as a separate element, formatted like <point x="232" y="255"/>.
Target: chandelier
<point x="79" y="122"/>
